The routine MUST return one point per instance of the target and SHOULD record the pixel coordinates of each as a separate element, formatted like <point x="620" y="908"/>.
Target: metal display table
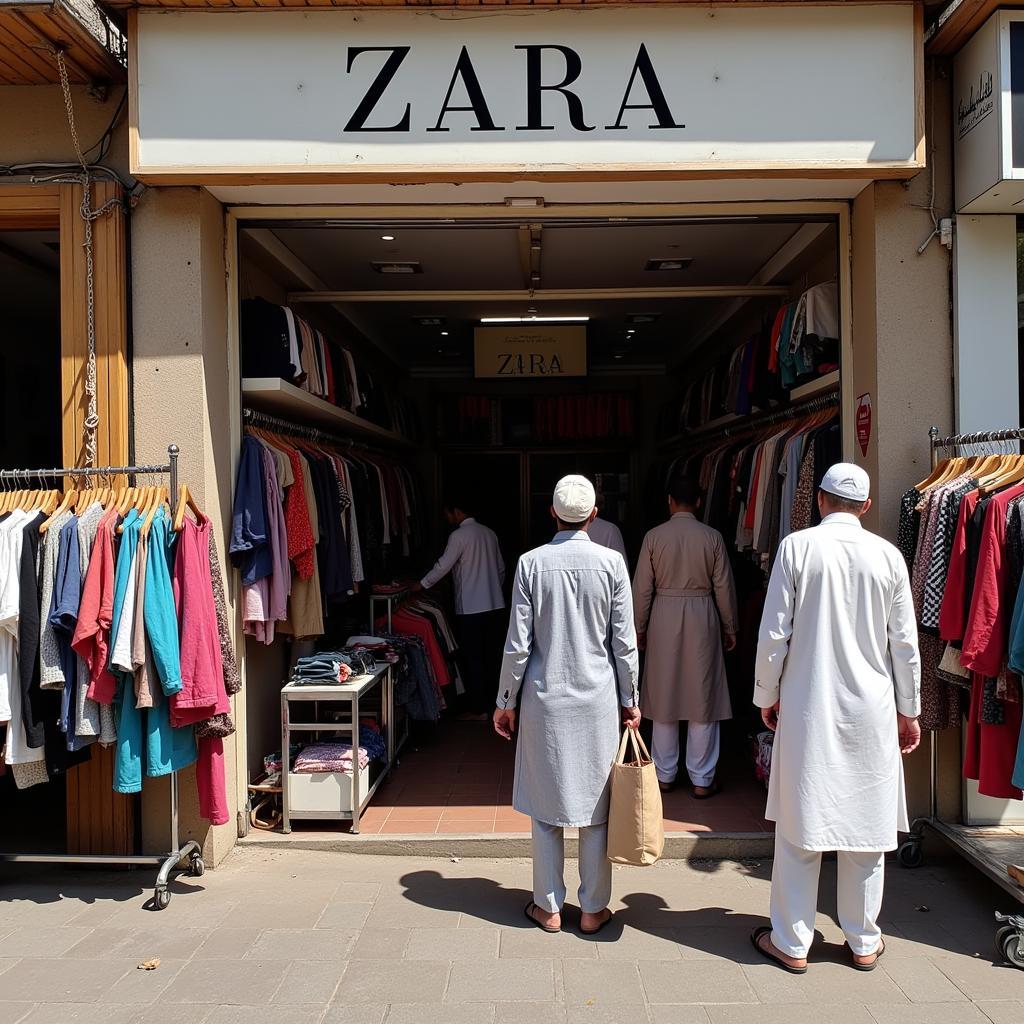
<point x="334" y="796"/>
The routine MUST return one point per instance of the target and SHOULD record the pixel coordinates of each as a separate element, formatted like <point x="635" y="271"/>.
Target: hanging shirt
<point x="608" y="535"/>
<point x="250" y="541"/>
<point x="8" y="611"/>
<point x="92" y="634"/>
<point x="838" y="648"/>
<point x="62" y="617"/>
<point x="473" y="557"/>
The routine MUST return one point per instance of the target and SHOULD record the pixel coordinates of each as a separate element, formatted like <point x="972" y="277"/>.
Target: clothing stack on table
<point x="964" y="546"/>
<point x="117" y="635"/>
<point x="312" y="523"/>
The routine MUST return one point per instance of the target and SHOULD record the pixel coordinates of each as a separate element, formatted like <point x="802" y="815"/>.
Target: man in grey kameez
<point x="571" y="654"/>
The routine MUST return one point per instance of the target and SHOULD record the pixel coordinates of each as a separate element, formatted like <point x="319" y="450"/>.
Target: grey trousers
<point x="549" y="868"/>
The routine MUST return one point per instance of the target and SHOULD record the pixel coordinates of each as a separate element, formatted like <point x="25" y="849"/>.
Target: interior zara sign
<point x="535" y="352"/>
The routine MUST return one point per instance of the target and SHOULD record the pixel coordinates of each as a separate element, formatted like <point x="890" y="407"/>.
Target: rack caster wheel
<point x="162" y="899"/>
<point x="196" y="866"/>
<point x="910" y="853"/>
<point x="1008" y="946"/>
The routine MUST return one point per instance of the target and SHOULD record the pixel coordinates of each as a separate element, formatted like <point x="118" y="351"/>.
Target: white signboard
<point x="334" y="94"/>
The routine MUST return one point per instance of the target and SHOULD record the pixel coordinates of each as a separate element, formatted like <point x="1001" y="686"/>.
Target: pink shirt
<point x="203" y="694"/>
<point x="91" y="639"/>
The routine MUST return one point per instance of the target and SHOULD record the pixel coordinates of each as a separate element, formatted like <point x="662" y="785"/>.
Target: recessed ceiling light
<point x="670" y="264"/>
<point x="429" y="321"/>
<point x="533" y="319"/>
<point x="444" y="334"/>
<point x="387" y="238"/>
<point x="412" y="267"/>
<point x="643" y="318"/>
<point x="631" y="330"/>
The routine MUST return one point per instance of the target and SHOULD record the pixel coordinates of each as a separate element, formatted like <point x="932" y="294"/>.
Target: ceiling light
<point x="643" y="318"/>
<point x="631" y="330"/>
<point x="387" y="238"/>
<point x="429" y="321"/>
<point x="412" y="267"/>
<point x="671" y="264"/>
<point x="444" y="334"/>
<point x="533" y="319"/>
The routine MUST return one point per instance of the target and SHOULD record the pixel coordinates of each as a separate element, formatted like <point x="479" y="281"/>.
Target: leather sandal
<point x="529" y="909"/>
<point x="865" y="968"/>
<point x="769" y="952"/>
<point x="604" y="924"/>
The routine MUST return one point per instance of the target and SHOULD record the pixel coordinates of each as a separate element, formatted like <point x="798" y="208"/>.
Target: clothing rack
<point x="987" y="848"/>
<point x="751" y="424"/>
<point x="256" y="418"/>
<point x="191" y="850"/>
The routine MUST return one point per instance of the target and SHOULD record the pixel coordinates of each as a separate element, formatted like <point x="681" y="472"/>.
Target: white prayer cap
<point x="574" y="499"/>
<point x="845" y="480"/>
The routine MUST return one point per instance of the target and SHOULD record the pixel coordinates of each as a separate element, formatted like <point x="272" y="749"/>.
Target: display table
<point x="334" y="796"/>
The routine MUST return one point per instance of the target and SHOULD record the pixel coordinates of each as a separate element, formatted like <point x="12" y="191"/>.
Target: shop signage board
<point x="671" y="91"/>
<point x="864" y="422"/>
<point x="988" y="134"/>
<point x="517" y="351"/>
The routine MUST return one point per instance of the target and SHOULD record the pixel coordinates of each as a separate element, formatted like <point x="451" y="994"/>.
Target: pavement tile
<point x="260" y="914"/>
<point x="601" y="984"/>
<point x="775" y="986"/>
<point x="731" y="944"/>
<point x="501" y="982"/>
<point x="835" y="981"/>
<point x="80" y="1013"/>
<point x="140" y="987"/>
<point x="161" y="1013"/>
<point x="303" y="944"/>
<point x="696" y="982"/>
<point x="227" y="943"/>
<point x="533" y="944"/>
<point x="63" y="981"/>
<point x="921" y="981"/>
<point x="170" y="943"/>
<point x="933" y="1013"/>
<point x="298" y="1014"/>
<point x="356" y="892"/>
<point x="228" y="982"/>
<point x="42" y="941"/>
<point x="401" y="912"/>
<point x="452" y="944"/>
<point x="344" y="915"/>
<point x="632" y="944"/>
<point x="100" y="943"/>
<point x="14" y="1013"/>
<point x="668" y="1014"/>
<point x="380" y="944"/>
<point x="310" y="982"/>
<point x="7" y="962"/>
<point x="530" y="1013"/>
<point x="623" y="1013"/>
<point x="851" y="1014"/>
<point x="388" y="981"/>
<point x="475" y="1013"/>
<point x="1005" y="1011"/>
<point x="364" y="1014"/>
<point x="980" y="979"/>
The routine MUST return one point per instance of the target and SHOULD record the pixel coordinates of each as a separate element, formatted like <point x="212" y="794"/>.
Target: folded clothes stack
<point x="326" y="667"/>
<point x="329" y="757"/>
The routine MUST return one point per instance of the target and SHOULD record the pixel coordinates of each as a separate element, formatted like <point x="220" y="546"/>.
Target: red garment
<point x="202" y="670"/>
<point x="748" y="522"/>
<point x="991" y="750"/>
<point x="773" y="348"/>
<point x="91" y="639"/>
<point x="952" y="620"/>
<point x="403" y="621"/>
<point x="332" y="395"/>
<point x="301" y="543"/>
<point x="213" y="795"/>
<point x="986" y="640"/>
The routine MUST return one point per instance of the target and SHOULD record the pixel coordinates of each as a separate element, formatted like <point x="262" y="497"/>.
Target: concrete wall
<point x="180" y="373"/>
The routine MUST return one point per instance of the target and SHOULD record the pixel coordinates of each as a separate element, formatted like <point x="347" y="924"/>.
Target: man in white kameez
<point x="838" y="678"/>
<point x="571" y="657"/>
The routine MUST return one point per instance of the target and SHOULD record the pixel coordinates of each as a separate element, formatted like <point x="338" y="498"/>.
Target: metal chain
<point x="91" y="424"/>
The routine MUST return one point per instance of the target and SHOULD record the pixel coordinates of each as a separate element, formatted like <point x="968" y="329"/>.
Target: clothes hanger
<point x="1014" y="474"/>
<point x="185" y="501"/>
<point x="69" y="499"/>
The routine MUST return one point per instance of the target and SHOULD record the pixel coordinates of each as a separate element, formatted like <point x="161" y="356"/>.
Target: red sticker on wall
<point x="864" y="422"/>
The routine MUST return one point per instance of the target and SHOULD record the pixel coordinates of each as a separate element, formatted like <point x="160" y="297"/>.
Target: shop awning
<point x="959" y="21"/>
<point x="32" y="31"/>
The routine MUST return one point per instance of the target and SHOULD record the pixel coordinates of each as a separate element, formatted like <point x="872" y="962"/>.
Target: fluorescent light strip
<point x="533" y="319"/>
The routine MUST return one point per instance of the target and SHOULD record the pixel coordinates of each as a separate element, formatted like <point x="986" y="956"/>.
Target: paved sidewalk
<point x="298" y="937"/>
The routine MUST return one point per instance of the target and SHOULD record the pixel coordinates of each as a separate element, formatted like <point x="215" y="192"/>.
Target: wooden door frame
<point x="98" y="820"/>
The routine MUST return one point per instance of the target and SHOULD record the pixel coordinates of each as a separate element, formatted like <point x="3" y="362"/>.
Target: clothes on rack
<point x="312" y="523"/>
<point x="964" y="546"/>
<point x="118" y="636"/>
<point x="277" y="342"/>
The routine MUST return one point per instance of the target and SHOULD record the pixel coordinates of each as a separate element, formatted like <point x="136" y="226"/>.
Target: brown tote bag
<point x="636" y="829"/>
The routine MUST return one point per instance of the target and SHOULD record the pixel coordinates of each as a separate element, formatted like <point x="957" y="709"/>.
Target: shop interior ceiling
<point x="29" y="271"/>
<point x="509" y="269"/>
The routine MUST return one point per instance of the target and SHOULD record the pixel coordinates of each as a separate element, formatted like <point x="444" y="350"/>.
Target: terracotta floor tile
<point x="468" y="811"/>
<point x="466" y="826"/>
<point x="409" y="827"/>
<point x="427" y="812"/>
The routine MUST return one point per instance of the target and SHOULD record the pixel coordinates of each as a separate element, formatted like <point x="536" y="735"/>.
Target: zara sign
<point x="417" y="93"/>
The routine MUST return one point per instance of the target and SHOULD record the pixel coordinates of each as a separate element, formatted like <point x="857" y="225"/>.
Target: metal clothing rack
<point x="264" y="419"/>
<point x="191" y="850"/>
<point x="988" y="848"/>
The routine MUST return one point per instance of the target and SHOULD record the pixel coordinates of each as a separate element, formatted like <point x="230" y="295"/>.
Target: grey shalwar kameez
<point x="571" y="657"/>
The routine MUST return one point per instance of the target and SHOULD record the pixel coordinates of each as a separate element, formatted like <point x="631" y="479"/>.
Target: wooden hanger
<point x="162" y="499"/>
<point x="1010" y="472"/>
<point x="70" y="497"/>
<point x="185" y="501"/>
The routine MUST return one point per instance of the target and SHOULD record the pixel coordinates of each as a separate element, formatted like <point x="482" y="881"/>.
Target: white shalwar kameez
<point x="838" y="650"/>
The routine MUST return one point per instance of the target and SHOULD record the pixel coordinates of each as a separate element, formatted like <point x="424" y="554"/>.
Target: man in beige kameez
<point x="684" y="600"/>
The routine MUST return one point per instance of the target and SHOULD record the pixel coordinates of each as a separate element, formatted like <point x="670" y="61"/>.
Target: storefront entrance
<point x="676" y="310"/>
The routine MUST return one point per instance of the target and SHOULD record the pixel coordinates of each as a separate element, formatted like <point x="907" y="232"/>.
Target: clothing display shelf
<point x="734" y="426"/>
<point x="334" y="796"/>
<point x="987" y="848"/>
<point x="276" y="396"/>
<point x="390" y="603"/>
<point x="178" y="853"/>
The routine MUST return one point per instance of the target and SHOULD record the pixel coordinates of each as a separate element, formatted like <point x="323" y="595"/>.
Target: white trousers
<point x="860" y="881"/>
<point x="549" y="868"/>
<point x="702" y="747"/>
